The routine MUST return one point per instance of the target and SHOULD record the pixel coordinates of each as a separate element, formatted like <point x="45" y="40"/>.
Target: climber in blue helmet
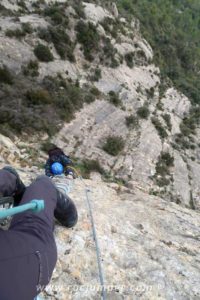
<point x="28" y="252"/>
<point x="57" y="168"/>
<point x="56" y="158"/>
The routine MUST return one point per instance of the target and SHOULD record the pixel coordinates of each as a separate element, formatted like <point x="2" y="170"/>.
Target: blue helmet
<point x="57" y="168"/>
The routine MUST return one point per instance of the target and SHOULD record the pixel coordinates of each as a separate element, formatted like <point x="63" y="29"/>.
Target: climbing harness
<point x="98" y="252"/>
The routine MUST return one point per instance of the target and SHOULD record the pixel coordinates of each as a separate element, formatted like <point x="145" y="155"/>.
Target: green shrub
<point x="60" y="39"/>
<point x="167" y="119"/>
<point x="57" y="14"/>
<point x="159" y="127"/>
<point x="114" y="63"/>
<point x="6" y="115"/>
<point x="88" y="37"/>
<point x="18" y="33"/>
<point x="162" y="175"/>
<point x="96" y="75"/>
<point x="114" y="98"/>
<point x="5" y="75"/>
<point x="94" y="91"/>
<point x="150" y="92"/>
<point x="31" y="69"/>
<point x="167" y="159"/>
<point x="159" y="105"/>
<point x="87" y="166"/>
<point x="189" y="123"/>
<point x="168" y="32"/>
<point x="129" y="59"/>
<point x="107" y="24"/>
<point x="5" y="11"/>
<point x="131" y="121"/>
<point x="45" y="34"/>
<point x="43" y="53"/>
<point x="79" y="9"/>
<point x="143" y="112"/>
<point x="108" y="49"/>
<point x="89" y="98"/>
<point x="26" y="28"/>
<point x="38" y="97"/>
<point x="22" y="4"/>
<point x="114" y="145"/>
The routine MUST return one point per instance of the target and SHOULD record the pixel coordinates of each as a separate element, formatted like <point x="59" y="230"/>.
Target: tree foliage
<point x="172" y="27"/>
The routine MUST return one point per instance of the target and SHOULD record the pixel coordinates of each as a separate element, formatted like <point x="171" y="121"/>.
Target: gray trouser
<point x="28" y="251"/>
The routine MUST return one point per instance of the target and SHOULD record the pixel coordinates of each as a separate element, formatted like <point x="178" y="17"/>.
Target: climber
<point x="28" y="251"/>
<point x="57" y="159"/>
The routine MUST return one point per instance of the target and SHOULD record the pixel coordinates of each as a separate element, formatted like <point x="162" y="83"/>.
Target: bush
<point x="31" y="69"/>
<point x="61" y="41"/>
<point x="79" y="9"/>
<point x="6" y="115"/>
<point x="114" y="63"/>
<point x="143" y="112"/>
<point x="112" y="26"/>
<point x="168" y="33"/>
<point x="57" y="14"/>
<point x="88" y="37"/>
<point x="108" y="49"/>
<point x="89" y="98"/>
<point x="131" y="121"/>
<point x="158" y="125"/>
<point x="97" y="75"/>
<point x="167" y="119"/>
<point x="26" y="28"/>
<point x="5" y="11"/>
<point x="38" y="97"/>
<point x="165" y="161"/>
<point x="94" y="91"/>
<point x="22" y="4"/>
<point x="5" y="75"/>
<point x="150" y="92"/>
<point x="129" y="59"/>
<point x="114" y="145"/>
<point x="87" y="166"/>
<point x="43" y="53"/>
<point x="18" y="33"/>
<point x="114" y="98"/>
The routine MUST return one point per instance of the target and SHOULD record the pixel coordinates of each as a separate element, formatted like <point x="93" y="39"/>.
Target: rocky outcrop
<point x="149" y="247"/>
<point x="149" y="243"/>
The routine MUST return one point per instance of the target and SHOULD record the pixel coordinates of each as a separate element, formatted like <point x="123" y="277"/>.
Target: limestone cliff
<point x="149" y="247"/>
<point x="130" y="75"/>
<point x="148" y="228"/>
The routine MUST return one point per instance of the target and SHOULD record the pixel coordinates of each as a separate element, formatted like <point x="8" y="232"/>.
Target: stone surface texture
<point x="149" y="234"/>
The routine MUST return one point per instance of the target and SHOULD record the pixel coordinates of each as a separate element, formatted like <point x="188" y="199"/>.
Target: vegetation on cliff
<point x="172" y="28"/>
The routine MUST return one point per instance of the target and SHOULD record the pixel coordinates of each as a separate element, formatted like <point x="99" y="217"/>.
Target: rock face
<point x="136" y="82"/>
<point x="149" y="229"/>
<point x="149" y="247"/>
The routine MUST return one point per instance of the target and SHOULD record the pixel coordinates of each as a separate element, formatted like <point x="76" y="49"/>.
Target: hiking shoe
<point x="20" y="187"/>
<point x="70" y="172"/>
<point x="65" y="212"/>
